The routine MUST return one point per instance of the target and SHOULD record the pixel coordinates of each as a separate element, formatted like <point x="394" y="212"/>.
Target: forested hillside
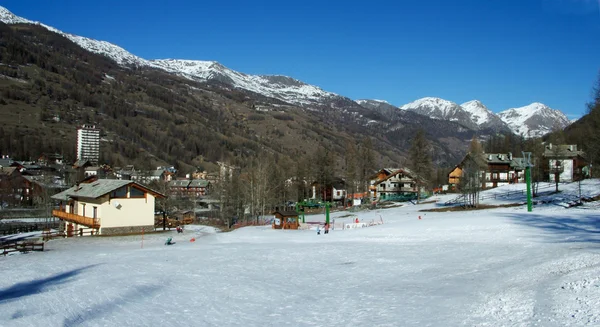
<point x="149" y="117"/>
<point x="586" y="131"/>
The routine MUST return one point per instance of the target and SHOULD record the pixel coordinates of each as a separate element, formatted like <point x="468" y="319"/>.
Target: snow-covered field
<point x="500" y="267"/>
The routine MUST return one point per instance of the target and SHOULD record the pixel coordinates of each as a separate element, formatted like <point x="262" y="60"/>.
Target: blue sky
<point x="505" y="53"/>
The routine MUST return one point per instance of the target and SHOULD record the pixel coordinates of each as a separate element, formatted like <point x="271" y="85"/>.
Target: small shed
<point x="184" y="217"/>
<point x="285" y="220"/>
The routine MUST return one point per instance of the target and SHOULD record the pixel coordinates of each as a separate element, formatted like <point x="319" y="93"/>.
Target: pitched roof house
<point x="332" y="191"/>
<point x="500" y="169"/>
<point x="399" y="184"/>
<point x="107" y="206"/>
<point x="565" y="161"/>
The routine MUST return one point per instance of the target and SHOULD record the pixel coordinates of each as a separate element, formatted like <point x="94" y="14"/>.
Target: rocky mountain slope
<point x="380" y="106"/>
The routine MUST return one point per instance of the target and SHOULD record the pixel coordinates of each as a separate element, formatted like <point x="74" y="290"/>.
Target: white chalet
<point x="107" y="206"/>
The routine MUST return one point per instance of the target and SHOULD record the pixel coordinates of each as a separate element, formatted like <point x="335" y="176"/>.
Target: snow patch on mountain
<point x="480" y="114"/>
<point x="441" y="109"/>
<point x="275" y="86"/>
<point x="8" y="17"/>
<point x="534" y="120"/>
<point x="279" y="87"/>
<point x="434" y="106"/>
<point x="116" y="53"/>
<point x="372" y="102"/>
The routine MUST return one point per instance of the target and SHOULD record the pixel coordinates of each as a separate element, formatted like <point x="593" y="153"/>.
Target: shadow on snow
<point x="37" y="285"/>
<point x="98" y="310"/>
<point x="582" y="229"/>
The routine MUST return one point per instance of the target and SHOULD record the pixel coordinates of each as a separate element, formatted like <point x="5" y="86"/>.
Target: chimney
<point x="549" y="146"/>
<point x="571" y="148"/>
<point x="510" y="156"/>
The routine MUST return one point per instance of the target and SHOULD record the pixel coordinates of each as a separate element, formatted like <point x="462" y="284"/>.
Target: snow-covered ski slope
<point x="500" y="267"/>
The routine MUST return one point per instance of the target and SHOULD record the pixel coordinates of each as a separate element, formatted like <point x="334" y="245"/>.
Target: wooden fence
<point x="21" y="246"/>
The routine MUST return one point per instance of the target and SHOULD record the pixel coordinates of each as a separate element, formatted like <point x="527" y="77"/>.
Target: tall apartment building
<point x="88" y="143"/>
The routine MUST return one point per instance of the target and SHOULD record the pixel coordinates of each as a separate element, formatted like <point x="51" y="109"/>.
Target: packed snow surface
<point x="494" y="267"/>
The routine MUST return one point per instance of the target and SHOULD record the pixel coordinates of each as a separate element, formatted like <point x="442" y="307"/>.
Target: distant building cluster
<point x="563" y="163"/>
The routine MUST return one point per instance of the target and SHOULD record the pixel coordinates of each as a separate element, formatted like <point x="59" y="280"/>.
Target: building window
<point x="83" y="208"/>
<point x="95" y="213"/>
<point x="136" y="193"/>
<point x="119" y="193"/>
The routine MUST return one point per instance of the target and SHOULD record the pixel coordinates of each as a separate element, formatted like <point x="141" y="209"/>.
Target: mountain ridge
<point x="281" y="87"/>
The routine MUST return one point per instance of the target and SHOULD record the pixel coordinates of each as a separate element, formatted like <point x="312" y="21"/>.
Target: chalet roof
<point x="92" y="168"/>
<point x="181" y="213"/>
<point x="562" y="151"/>
<point x="6" y="162"/>
<point x="404" y="171"/>
<point x="497" y="158"/>
<point x="7" y="171"/>
<point x="31" y="167"/>
<point x="519" y="163"/>
<point x="284" y="213"/>
<point x="45" y="183"/>
<point x="97" y="189"/>
<point x="157" y="172"/>
<point x="81" y="163"/>
<point x="179" y="183"/>
<point x="198" y="183"/>
<point x="386" y="171"/>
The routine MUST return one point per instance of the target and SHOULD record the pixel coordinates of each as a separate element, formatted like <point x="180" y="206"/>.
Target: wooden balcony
<point x="77" y="219"/>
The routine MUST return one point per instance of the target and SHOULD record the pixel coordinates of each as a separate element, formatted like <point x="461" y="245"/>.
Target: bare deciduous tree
<point x="472" y="179"/>
<point x="420" y="161"/>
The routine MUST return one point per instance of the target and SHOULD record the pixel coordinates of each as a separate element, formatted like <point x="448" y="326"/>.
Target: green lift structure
<point x="312" y="204"/>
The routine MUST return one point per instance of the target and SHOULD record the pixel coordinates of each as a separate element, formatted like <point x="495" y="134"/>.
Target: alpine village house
<point x="106" y="207"/>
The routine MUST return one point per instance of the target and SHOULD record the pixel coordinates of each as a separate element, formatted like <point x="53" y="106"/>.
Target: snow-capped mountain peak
<point x="365" y="101"/>
<point x="533" y="120"/>
<point x="443" y="106"/>
<point x="116" y="53"/>
<point x="437" y="108"/>
<point x="479" y="112"/>
<point x="8" y="17"/>
<point x="276" y="86"/>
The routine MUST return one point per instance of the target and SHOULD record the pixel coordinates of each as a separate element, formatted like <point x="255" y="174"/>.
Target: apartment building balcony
<point x="77" y="219"/>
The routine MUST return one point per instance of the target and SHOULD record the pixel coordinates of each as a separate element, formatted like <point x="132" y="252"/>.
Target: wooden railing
<point x="77" y="219"/>
<point x="21" y="246"/>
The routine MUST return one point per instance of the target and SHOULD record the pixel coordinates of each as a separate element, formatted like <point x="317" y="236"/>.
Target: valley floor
<point x="500" y="267"/>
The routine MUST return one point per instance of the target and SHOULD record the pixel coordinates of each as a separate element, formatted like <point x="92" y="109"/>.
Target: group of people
<point x="325" y="228"/>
